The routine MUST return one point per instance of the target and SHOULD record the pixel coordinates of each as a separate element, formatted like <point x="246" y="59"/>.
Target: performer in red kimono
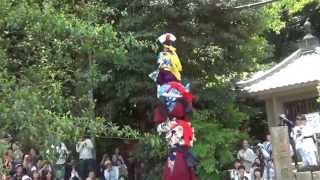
<point x="180" y="137"/>
<point x="173" y="113"/>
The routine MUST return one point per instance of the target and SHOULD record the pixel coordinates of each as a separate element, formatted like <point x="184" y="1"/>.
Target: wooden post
<point x="281" y="153"/>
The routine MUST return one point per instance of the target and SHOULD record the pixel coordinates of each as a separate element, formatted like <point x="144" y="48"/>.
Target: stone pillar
<point x="316" y="175"/>
<point x="274" y="108"/>
<point x="269" y="109"/>
<point x="281" y="153"/>
<point x="304" y="175"/>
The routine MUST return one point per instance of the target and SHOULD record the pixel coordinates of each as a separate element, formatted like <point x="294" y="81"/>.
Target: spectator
<point x="85" y="149"/>
<point x="110" y="172"/>
<point x="246" y="155"/>
<point x="74" y="175"/>
<point x="60" y="166"/>
<point x="49" y="176"/>
<point x="19" y="172"/>
<point x="35" y="175"/>
<point x="305" y="142"/>
<point x="234" y="172"/>
<point x="91" y="176"/>
<point x="17" y="153"/>
<point x="242" y="173"/>
<point x="267" y="144"/>
<point x="262" y="155"/>
<point x="8" y="161"/>
<point x="45" y="171"/>
<point x="38" y="165"/>
<point x="34" y="155"/>
<point x="269" y="173"/>
<point x="26" y="177"/>
<point x="27" y="162"/>
<point x="255" y="165"/>
<point x="123" y="171"/>
<point x="105" y="158"/>
<point x="118" y="155"/>
<point x="257" y="174"/>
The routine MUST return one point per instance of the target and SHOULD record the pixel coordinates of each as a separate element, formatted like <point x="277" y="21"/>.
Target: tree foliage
<point x="67" y="66"/>
<point x="49" y="62"/>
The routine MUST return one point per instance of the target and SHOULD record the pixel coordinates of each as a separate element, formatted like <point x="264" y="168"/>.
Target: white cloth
<point x="166" y="36"/>
<point x="247" y="157"/>
<point x="268" y="147"/>
<point x="85" y="149"/>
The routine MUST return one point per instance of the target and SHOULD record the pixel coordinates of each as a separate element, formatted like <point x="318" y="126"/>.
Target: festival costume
<point x="173" y="114"/>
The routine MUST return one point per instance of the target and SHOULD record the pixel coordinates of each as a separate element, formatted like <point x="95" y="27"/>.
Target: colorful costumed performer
<point x="169" y="63"/>
<point x="173" y="113"/>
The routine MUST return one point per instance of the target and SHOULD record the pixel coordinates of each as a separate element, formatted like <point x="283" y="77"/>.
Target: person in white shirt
<point x="267" y="144"/>
<point x="110" y="172"/>
<point x="60" y="166"/>
<point x="303" y="137"/>
<point x="85" y="148"/>
<point x="246" y="155"/>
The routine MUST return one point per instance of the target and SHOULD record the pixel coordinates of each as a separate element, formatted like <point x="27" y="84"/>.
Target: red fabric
<point x="187" y="131"/>
<point x="182" y="90"/>
<point x="181" y="171"/>
<point x="178" y="110"/>
<point x="159" y="116"/>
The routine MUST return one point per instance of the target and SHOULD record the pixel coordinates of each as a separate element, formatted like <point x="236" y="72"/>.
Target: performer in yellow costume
<point x="169" y="62"/>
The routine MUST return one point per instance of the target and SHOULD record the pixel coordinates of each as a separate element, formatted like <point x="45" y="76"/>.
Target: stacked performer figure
<point x="173" y="113"/>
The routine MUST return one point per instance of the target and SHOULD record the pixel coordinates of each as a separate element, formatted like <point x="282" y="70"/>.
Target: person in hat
<point x="169" y="66"/>
<point x="169" y="63"/>
<point x="303" y="136"/>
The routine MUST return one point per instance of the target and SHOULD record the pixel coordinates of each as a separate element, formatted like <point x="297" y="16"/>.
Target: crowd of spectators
<point x="19" y="165"/>
<point x="254" y="162"/>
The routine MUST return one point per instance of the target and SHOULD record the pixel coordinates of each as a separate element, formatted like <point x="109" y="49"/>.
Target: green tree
<point x="49" y="60"/>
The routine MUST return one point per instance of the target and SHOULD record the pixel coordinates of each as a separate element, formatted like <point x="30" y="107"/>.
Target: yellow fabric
<point x="175" y="67"/>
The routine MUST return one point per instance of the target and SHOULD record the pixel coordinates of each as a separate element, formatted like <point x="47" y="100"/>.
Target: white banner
<point x="313" y="121"/>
